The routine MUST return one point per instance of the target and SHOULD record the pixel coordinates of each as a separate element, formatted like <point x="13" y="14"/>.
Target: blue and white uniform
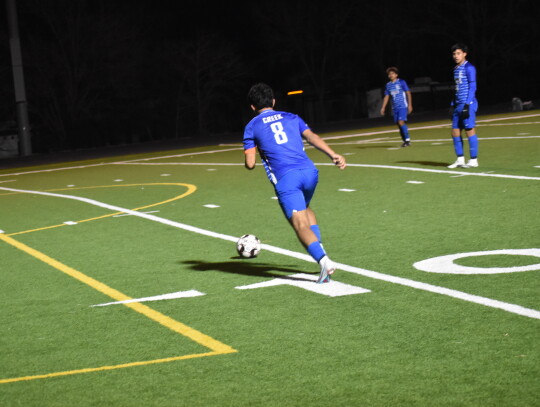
<point x="278" y="138"/>
<point x="400" y="104"/>
<point x="465" y="80"/>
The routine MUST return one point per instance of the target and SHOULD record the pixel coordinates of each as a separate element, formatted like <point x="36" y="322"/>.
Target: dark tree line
<point x="102" y="72"/>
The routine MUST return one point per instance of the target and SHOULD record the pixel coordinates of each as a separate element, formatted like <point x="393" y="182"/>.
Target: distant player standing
<point x="465" y="107"/>
<point x="278" y="136"/>
<point x="398" y="90"/>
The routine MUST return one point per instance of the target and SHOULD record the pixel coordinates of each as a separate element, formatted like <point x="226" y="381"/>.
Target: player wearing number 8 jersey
<point x="278" y="137"/>
<point x="270" y="132"/>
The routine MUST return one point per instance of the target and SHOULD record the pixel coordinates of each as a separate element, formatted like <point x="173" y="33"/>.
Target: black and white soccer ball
<point x="248" y="246"/>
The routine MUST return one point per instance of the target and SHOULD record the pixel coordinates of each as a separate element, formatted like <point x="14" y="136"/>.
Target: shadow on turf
<point x="245" y="268"/>
<point x="426" y="163"/>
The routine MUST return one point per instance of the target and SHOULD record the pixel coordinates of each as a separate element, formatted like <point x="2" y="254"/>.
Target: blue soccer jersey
<point x="397" y="91"/>
<point x="465" y="79"/>
<point x="277" y="136"/>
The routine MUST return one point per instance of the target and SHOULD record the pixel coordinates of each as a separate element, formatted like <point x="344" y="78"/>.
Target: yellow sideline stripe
<point x="164" y="320"/>
<point x="112" y="367"/>
<point x="190" y="189"/>
<point x="196" y="336"/>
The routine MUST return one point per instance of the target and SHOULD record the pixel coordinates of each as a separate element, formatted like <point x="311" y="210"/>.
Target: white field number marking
<point x="446" y="265"/>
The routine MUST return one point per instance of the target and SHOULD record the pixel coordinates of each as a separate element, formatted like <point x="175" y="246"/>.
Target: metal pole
<point x="25" y="146"/>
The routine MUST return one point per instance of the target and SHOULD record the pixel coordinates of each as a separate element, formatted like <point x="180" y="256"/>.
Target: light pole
<point x="23" y="124"/>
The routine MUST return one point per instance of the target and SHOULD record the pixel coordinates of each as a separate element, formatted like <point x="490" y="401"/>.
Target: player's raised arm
<point x="321" y="145"/>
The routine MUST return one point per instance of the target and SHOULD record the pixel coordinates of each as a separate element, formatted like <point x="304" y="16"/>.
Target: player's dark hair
<point x="261" y="95"/>
<point x="460" y="46"/>
<point x="392" y="69"/>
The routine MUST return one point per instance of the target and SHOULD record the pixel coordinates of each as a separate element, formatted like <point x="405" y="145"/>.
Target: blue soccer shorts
<point x="400" y="114"/>
<point x="469" y="123"/>
<point x="295" y="190"/>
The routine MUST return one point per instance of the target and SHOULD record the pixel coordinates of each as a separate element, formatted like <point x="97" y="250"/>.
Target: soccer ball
<point x="248" y="246"/>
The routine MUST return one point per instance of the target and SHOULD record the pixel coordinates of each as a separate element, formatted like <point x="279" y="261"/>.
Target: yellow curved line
<point x="190" y="189"/>
<point x="111" y="367"/>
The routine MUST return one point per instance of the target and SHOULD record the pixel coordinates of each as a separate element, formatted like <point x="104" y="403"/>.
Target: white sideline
<point x="444" y="140"/>
<point x="477" y="174"/>
<point x="109" y="163"/>
<point x="236" y="148"/>
<point x="513" y="308"/>
<point x="435" y="126"/>
<point x="391" y="167"/>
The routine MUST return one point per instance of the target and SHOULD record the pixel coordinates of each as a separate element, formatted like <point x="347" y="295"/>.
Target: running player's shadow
<point x="245" y="268"/>
<point x="426" y="163"/>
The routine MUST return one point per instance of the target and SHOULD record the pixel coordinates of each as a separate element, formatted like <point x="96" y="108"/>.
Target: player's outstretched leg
<point x="304" y="230"/>
<point x="327" y="269"/>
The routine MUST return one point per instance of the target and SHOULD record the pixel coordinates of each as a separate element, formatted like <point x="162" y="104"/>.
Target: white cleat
<point x="327" y="269"/>
<point x="460" y="163"/>
<point x="473" y="163"/>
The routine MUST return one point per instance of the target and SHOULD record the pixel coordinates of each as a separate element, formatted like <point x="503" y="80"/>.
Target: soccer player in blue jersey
<point x="398" y="90"/>
<point x="464" y="106"/>
<point x="278" y="137"/>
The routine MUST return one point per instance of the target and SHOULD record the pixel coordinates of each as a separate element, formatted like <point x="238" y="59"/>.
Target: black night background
<point x="112" y="72"/>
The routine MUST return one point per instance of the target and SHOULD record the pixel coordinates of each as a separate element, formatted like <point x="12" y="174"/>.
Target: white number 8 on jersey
<point x="279" y="134"/>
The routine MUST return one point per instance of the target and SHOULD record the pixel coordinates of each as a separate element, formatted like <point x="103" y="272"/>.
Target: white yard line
<point x="240" y="146"/>
<point x="390" y="167"/>
<point x="170" y="296"/>
<point x="435" y="126"/>
<point x="508" y="118"/>
<point x="348" y="143"/>
<point x="177" y="155"/>
<point x="236" y="148"/>
<point x="513" y="308"/>
<point x="118" y="162"/>
<point x="471" y="174"/>
<point x="53" y="169"/>
<point x="507" y="124"/>
<point x="173" y="163"/>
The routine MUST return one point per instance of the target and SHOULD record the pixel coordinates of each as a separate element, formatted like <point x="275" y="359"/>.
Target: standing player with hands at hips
<point x="465" y="106"/>
<point x="278" y="136"/>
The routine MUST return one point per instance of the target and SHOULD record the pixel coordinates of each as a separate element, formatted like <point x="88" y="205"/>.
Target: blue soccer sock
<point x="316" y="251"/>
<point x="473" y="146"/>
<point x="404" y="130"/>
<point x="458" y="146"/>
<point x="317" y="231"/>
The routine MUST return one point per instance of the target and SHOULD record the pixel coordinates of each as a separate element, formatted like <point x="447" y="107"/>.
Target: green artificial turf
<point x="290" y="346"/>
